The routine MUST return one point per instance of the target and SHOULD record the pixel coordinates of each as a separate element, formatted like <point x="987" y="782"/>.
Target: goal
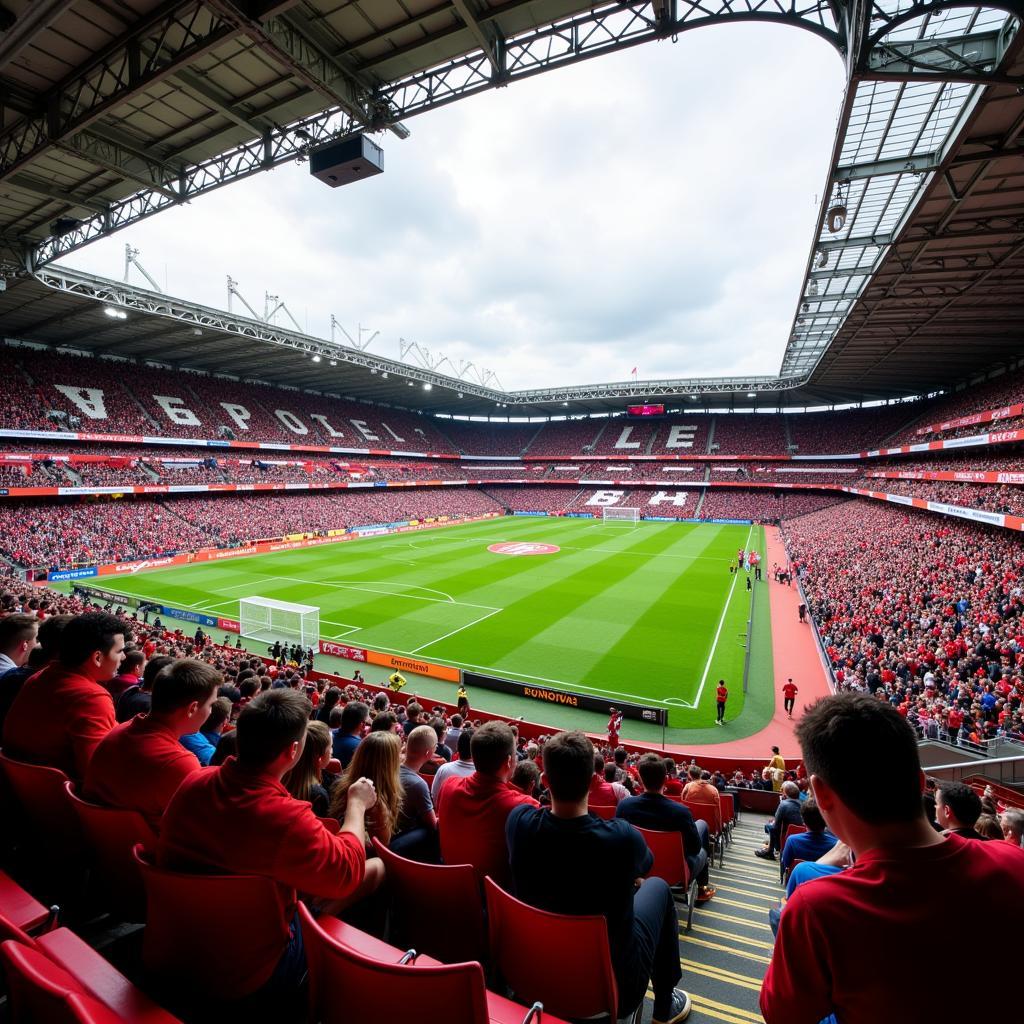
<point x="629" y="516"/>
<point x="263" y="618"/>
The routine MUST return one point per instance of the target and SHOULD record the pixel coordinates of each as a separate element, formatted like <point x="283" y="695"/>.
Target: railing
<point x="1008" y="771"/>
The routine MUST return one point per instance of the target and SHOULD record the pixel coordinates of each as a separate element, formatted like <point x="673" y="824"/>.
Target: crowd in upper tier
<point x="42" y="390"/>
<point x="927" y="612"/>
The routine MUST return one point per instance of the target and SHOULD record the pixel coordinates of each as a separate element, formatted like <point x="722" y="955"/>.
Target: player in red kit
<point x="789" y="692"/>
<point x="614" y="721"/>
<point x="721" y="696"/>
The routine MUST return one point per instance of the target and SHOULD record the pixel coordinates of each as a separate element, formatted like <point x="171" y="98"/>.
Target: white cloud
<point x="652" y="208"/>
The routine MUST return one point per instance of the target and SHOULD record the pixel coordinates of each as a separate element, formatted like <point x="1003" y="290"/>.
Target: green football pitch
<point x="648" y="613"/>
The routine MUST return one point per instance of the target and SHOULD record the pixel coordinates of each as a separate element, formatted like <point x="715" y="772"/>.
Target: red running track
<point x="794" y="654"/>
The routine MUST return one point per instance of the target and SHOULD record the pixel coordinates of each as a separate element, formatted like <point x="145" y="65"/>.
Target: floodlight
<point x="836" y="218"/>
<point x="384" y="374"/>
<point x="411" y="384"/>
<point x="751" y="394"/>
<point x="316" y="359"/>
<point x="458" y="394"/>
<point x="334" y="362"/>
<point x="428" y="387"/>
<point x="115" y="314"/>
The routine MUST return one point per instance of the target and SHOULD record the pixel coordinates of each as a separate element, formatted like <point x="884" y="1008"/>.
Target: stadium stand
<point x="926" y="612"/>
<point x="746" y="434"/>
<point x="848" y="430"/>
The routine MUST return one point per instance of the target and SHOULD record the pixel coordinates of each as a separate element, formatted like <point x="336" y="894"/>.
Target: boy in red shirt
<point x="62" y="712"/>
<point x="789" y="692"/>
<point x="239" y="819"/>
<point x="139" y="764"/>
<point x="721" y="696"/>
<point x="886" y="901"/>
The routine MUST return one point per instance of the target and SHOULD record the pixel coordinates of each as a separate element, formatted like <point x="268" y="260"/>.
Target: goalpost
<point x="629" y="516"/>
<point x="263" y="618"/>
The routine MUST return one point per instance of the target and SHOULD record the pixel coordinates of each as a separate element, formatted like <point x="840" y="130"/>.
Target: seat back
<point x="112" y="834"/>
<point x="345" y="985"/>
<point x="791" y="830"/>
<point x="606" y="811"/>
<point x="41" y="793"/>
<point x="708" y="812"/>
<point x="427" y="894"/>
<point x="40" y="990"/>
<point x="669" y="856"/>
<point x="728" y="808"/>
<point x="214" y="931"/>
<point x="559" y="960"/>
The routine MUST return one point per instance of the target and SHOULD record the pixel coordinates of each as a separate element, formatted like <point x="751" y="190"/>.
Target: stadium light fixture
<point x="384" y="374"/>
<point x="751" y="394"/>
<point x="115" y="314"/>
<point x="458" y="394"/>
<point x="428" y="386"/>
<point x="316" y="359"/>
<point x="411" y="384"/>
<point x="334" y="362"/>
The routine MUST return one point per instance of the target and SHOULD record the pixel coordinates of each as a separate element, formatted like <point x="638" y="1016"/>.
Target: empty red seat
<point x="21" y="907"/>
<point x="427" y="895"/>
<point x="712" y="815"/>
<point x="606" y="811"/>
<point x="43" y="798"/>
<point x="347" y="984"/>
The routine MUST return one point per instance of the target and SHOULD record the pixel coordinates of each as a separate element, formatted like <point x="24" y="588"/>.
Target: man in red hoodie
<point x="61" y="713"/>
<point x="239" y="819"/>
<point x="472" y="810"/>
<point x="140" y="763"/>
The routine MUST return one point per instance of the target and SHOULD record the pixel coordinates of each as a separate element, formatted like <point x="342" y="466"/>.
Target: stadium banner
<point x="1006" y="412"/>
<point x="229" y="625"/>
<point x="57" y="575"/>
<point x="421" y="668"/>
<point x="566" y="698"/>
<point x="186" y="616"/>
<point x="579" y="515"/>
<point x="107" y="595"/>
<point x="977" y="515"/>
<point x="516" y="512"/>
<point x="961" y="476"/>
<point x="341" y="651"/>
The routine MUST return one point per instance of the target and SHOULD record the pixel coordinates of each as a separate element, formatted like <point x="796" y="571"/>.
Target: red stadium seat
<point x="21" y="908"/>
<point x="791" y="830"/>
<point x="606" y="811"/>
<point x="438" y="908"/>
<point x="670" y="864"/>
<point x="112" y="834"/>
<point x="40" y="991"/>
<point x="710" y="813"/>
<point x="347" y="985"/>
<point x="92" y="973"/>
<point x="191" y="920"/>
<point x="729" y="814"/>
<point x="560" y="961"/>
<point x="41" y="793"/>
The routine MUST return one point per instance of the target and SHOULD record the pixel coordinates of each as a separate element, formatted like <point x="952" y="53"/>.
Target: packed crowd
<point x="923" y="612"/>
<point x="848" y="430"/>
<point x="1008" y="498"/>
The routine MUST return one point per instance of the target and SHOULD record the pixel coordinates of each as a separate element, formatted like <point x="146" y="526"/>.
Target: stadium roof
<point x="110" y="114"/>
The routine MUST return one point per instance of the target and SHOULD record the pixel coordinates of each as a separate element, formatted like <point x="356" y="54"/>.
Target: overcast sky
<point x="653" y="208"/>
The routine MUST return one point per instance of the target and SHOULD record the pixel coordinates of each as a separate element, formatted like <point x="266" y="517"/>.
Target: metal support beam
<point x="37" y="17"/>
<point x="173" y="35"/>
<point x="221" y="102"/>
<point x="38" y="187"/>
<point x="921" y="164"/>
<point x="968" y="58"/>
<point x="881" y="239"/>
<point x="491" y="46"/>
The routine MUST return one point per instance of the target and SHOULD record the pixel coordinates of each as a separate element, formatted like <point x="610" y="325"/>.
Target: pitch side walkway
<point x="794" y="654"/>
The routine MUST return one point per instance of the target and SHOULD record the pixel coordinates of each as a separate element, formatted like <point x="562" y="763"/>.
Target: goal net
<point x="629" y="516"/>
<point x="263" y="618"/>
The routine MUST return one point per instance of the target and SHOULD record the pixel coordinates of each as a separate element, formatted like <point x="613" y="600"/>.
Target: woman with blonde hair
<point x="305" y="780"/>
<point x="377" y="758"/>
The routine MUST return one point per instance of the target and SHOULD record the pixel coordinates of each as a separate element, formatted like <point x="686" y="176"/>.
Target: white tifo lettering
<point x="668" y="498"/>
<point x="363" y="429"/>
<point x="624" y="442"/>
<point x="322" y="420"/>
<point x="606" y="497"/>
<point x="393" y="434"/>
<point x="238" y="413"/>
<point x="174" y="410"/>
<point x="680" y="437"/>
<point x="87" y="400"/>
<point x="291" y="421"/>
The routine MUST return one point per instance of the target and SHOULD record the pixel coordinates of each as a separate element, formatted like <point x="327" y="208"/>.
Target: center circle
<point x="522" y="548"/>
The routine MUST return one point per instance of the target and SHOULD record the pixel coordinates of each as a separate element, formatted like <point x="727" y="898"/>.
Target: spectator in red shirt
<point x="472" y="810"/>
<point x="721" y="696"/>
<point x="673" y="787"/>
<point x="818" y="967"/>
<point x="128" y="675"/>
<point x="239" y="819"/>
<point x="602" y="794"/>
<point x="139" y="764"/>
<point x="61" y="713"/>
<point x="789" y="692"/>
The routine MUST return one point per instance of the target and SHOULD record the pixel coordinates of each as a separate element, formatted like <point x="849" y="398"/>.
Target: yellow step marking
<point x="721" y="900"/>
<point x="756" y="957"/>
<point x="752" y="984"/>
<point x="736" y="1011"/>
<point x="743" y="939"/>
<point x="731" y="918"/>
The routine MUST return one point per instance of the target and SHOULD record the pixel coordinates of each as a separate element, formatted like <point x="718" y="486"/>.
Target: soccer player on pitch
<point x="721" y="696"/>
